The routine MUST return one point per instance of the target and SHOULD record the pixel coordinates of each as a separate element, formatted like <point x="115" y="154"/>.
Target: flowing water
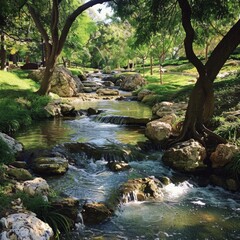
<point x="187" y="212"/>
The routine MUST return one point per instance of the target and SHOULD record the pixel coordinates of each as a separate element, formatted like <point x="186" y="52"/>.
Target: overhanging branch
<point x="71" y="18"/>
<point x="190" y="34"/>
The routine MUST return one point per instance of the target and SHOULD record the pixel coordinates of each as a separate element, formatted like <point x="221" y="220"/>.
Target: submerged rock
<point x="107" y="92"/>
<point x="67" y="207"/>
<point x="49" y="165"/>
<point x="24" y="226"/>
<point x="186" y="156"/>
<point x="141" y="189"/>
<point x="118" y="166"/>
<point x="95" y="213"/>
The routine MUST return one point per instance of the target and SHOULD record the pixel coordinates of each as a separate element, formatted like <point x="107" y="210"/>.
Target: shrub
<point x="233" y="168"/>
<point x="107" y="70"/>
<point x="45" y="212"/>
<point x="7" y="155"/>
<point x="19" y="112"/>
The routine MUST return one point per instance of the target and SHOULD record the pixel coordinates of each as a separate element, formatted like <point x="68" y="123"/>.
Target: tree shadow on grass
<point x="12" y="93"/>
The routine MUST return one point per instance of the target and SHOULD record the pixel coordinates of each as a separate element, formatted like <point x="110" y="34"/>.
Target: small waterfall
<point x="122" y="120"/>
<point x="129" y="197"/>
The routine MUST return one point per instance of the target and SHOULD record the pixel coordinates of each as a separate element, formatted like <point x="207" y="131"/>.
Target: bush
<point x="19" y="112"/>
<point x="7" y="155"/>
<point x="107" y="70"/>
<point x="229" y="130"/>
<point x="233" y="168"/>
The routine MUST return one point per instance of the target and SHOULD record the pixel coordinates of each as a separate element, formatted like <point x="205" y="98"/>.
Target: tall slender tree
<point x="54" y="31"/>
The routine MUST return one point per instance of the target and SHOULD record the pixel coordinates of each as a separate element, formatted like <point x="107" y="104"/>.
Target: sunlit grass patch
<point x="17" y="80"/>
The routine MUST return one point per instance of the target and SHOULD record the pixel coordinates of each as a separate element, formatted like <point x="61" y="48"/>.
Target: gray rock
<point x="23" y="226"/>
<point x="14" y="145"/>
<point x="36" y="186"/>
<point x="143" y="93"/>
<point x="223" y="154"/>
<point x="132" y="82"/>
<point x="186" y="156"/>
<point x="19" y="174"/>
<point x="63" y="82"/>
<point x="95" y="213"/>
<point x="107" y="92"/>
<point x="157" y="130"/>
<point x="118" y="166"/>
<point x="141" y="189"/>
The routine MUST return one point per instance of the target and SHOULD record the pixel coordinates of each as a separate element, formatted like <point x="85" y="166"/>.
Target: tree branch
<point x="222" y="51"/>
<point x="71" y="18"/>
<point x="54" y="26"/>
<point x="38" y="23"/>
<point x="190" y="34"/>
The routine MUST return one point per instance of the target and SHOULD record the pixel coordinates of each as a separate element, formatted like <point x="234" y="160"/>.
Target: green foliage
<point x="6" y="154"/>
<point x="229" y="130"/>
<point x="76" y="71"/>
<point x="12" y="116"/>
<point x="46" y="212"/>
<point x="233" y="168"/>
<point x="107" y="70"/>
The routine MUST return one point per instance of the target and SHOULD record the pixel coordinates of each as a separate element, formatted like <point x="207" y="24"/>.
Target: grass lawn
<point x="19" y="105"/>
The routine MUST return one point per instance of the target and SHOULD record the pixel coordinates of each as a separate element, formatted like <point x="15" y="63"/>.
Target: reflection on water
<point x="46" y="134"/>
<point x="119" y="108"/>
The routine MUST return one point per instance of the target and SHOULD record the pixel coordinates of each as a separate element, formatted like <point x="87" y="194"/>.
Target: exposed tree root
<point x="198" y="132"/>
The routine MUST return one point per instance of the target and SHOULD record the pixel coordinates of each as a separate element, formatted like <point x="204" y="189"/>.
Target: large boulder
<point x="223" y="155"/>
<point x="63" y="82"/>
<point x="141" y="189"/>
<point x="187" y="156"/>
<point x="49" y="165"/>
<point x="157" y="130"/>
<point x="132" y="82"/>
<point x="23" y="226"/>
<point x="143" y="93"/>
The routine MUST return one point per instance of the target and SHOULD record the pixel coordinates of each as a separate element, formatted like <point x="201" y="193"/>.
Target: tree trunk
<point x="151" y="65"/>
<point x="160" y="71"/>
<point x="201" y="102"/>
<point x="46" y="84"/>
<point x="3" y="52"/>
<point x="143" y="67"/>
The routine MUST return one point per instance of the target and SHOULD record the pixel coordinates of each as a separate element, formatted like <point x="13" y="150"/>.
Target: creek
<point x="188" y="210"/>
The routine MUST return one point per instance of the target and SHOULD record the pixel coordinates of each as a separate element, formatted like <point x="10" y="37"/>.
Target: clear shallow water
<point x="46" y="134"/>
<point x="187" y="212"/>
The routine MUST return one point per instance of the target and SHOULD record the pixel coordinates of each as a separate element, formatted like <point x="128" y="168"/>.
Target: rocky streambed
<point x="119" y="185"/>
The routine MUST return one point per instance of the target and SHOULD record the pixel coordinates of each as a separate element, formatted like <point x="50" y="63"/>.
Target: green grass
<point x="19" y="105"/>
<point x="17" y="80"/>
